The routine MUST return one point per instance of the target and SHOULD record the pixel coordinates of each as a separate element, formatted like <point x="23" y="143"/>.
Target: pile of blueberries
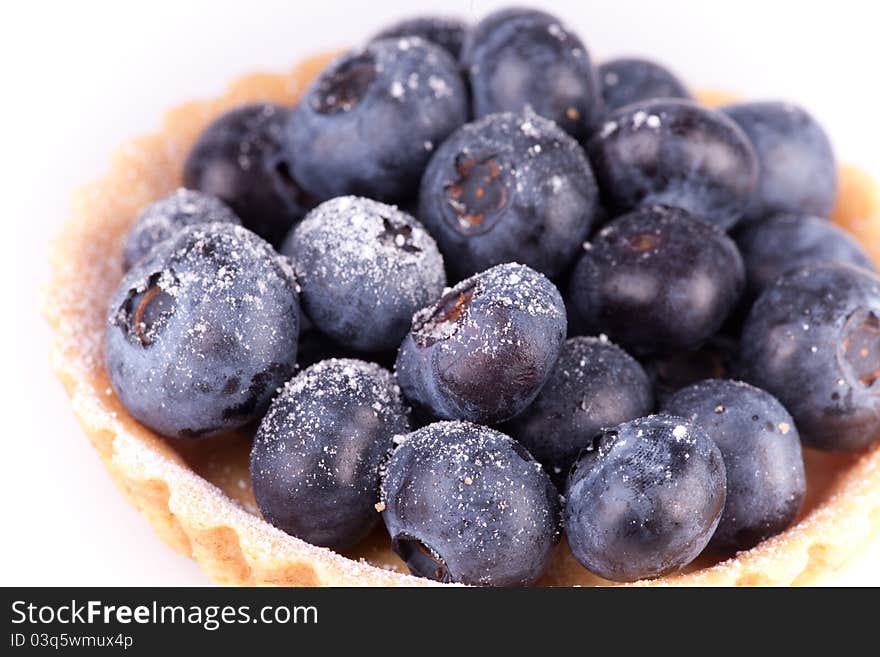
<point x="595" y="306"/>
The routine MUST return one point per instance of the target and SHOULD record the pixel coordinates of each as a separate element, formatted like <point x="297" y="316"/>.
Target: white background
<point x="80" y="77"/>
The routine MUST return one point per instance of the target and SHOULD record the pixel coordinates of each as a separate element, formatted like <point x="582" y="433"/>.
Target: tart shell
<point x="197" y="496"/>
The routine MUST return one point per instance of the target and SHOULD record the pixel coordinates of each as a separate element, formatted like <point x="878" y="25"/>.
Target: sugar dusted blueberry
<point x="370" y="121"/>
<point x="630" y="80"/>
<point x="594" y="384"/>
<point x="798" y="170"/>
<point x="443" y="31"/>
<point x="364" y="268"/>
<point x="762" y="457"/>
<point x="316" y="457"/>
<point x="674" y="152"/>
<point x="202" y="332"/>
<point x="239" y="159"/>
<point x="509" y="188"/>
<point x="645" y="499"/>
<point x="519" y="58"/>
<point x="656" y="280"/>
<point x="812" y="340"/>
<point x="485" y="348"/>
<point x="168" y="216"/>
<point x="465" y="503"/>
<point x="787" y="241"/>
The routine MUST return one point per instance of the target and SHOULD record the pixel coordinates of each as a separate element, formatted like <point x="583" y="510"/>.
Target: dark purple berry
<point x="364" y="268"/>
<point x="812" y="340"/>
<point x="240" y="159"/>
<point x="485" y="348"/>
<point x="645" y="500"/>
<point x="657" y="280"/>
<point x="674" y="152"/>
<point x="786" y="241"/>
<point x="594" y="384"/>
<point x="630" y="80"/>
<point x="448" y="33"/>
<point x="370" y="121"/>
<point x="167" y="217"/>
<point x="762" y="458"/>
<point x="464" y="503"/>
<point x="522" y="58"/>
<point x="798" y="171"/>
<point x="509" y="188"/>
<point x="316" y="456"/>
<point x="203" y="331"/>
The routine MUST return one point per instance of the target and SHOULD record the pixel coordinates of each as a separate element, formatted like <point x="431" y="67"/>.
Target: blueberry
<point x="630" y="80"/>
<point x="202" y="331"/>
<point x="485" y="348"/>
<point x="519" y="58"/>
<point x="645" y="499"/>
<point x="671" y="372"/>
<point x="509" y="187"/>
<point x="239" y="159"/>
<point x="594" y="384"/>
<point x="762" y="458"/>
<point x="674" y="152"/>
<point x="657" y="280"/>
<point x="316" y="456"/>
<point x="798" y="172"/>
<point x="522" y="58"/>
<point x="368" y="124"/>
<point x="812" y="340"/>
<point x="786" y="241"/>
<point x="364" y="268"/>
<point x="464" y="503"/>
<point x="448" y="33"/>
<point x="167" y="216"/>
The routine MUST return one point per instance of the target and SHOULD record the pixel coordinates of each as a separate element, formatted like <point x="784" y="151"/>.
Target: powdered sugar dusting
<point x="510" y="285"/>
<point x="165" y="217"/>
<point x="222" y="330"/>
<point x="352" y="239"/>
<point x="608" y="129"/>
<point x="471" y="464"/>
<point x="311" y="415"/>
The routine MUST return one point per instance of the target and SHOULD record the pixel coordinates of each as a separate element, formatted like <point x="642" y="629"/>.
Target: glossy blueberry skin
<point x="645" y="500"/>
<point x="364" y="268"/>
<point x="674" y="152"/>
<point x="168" y="216"/>
<point x="518" y="58"/>
<point x="656" y="280"/>
<point x="465" y="503"/>
<point x="787" y="241"/>
<point x="669" y="373"/>
<point x="240" y="159"/>
<point x="630" y="80"/>
<point x="798" y="171"/>
<point x="443" y="31"/>
<point x="316" y="457"/>
<point x="811" y="340"/>
<point x="202" y="332"/>
<point x="370" y="121"/>
<point x="761" y="447"/>
<point x="594" y="384"/>
<point x="484" y="349"/>
<point x="509" y="188"/>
